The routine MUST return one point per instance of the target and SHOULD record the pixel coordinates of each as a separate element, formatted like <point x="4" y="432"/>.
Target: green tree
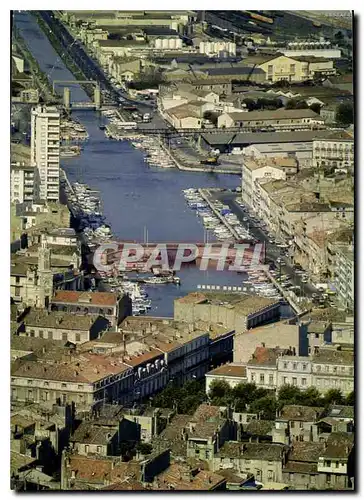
<point x="244" y="392"/>
<point x="350" y="399"/>
<point x="266" y="407"/>
<point x="333" y="396"/>
<point x="345" y="114"/>
<point x="311" y="397"/>
<point x="219" y="389"/>
<point x="289" y="395"/>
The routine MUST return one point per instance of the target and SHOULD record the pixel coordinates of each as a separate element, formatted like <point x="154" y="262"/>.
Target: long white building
<point x="45" y="138"/>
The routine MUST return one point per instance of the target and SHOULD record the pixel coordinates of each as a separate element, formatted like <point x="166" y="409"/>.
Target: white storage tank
<point x="158" y="43"/>
<point x="178" y="43"/>
<point x="172" y="43"/>
<point x="165" y="43"/>
<point x="202" y="48"/>
<point x="232" y="48"/>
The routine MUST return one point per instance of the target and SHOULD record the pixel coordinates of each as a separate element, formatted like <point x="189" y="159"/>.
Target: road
<point x="272" y="251"/>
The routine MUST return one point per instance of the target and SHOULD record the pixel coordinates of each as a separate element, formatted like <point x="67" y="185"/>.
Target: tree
<point x="266" y="407"/>
<point x="244" y="392"/>
<point x="289" y="395"/>
<point x="316" y="107"/>
<point x="219" y="389"/>
<point x="250" y="104"/>
<point x="333" y="396"/>
<point x="311" y="397"/>
<point x="345" y="114"/>
<point x="350" y="399"/>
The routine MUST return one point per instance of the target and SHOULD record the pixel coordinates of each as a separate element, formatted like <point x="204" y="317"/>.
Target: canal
<point x="134" y="195"/>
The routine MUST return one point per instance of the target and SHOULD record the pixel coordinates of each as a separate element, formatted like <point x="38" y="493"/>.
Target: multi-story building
<point x="294" y="370"/>
<point x="334" y="465"/>
<point x="264" y="168"/>
<point x="45" y="138"/>
<point x="264" y="460"/>
<point x="238" y="312"/>
<point x="112" y="306"/>
<point x="24" y="183"/>
<point x="333" y="368"/>
<point x="297" y="423"/>
<point x="261" y="369"/>
<point x="208" y="429"/>
<point x="335" y="151"/>
<point x="233" y="374"/>
<point x="64" y="326"/>
<point x="293" y="69"/>
<point x="343" y="273"/>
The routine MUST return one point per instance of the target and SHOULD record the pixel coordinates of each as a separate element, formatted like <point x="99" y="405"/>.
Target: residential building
<point x="334" y="463"/>
<point x="297" y="423"/>
<point x="45" y="138"/>
<point x="79" y="472"/>
<point x="333" y="368"/>
<point x="238" y="312"/>
<point x="188" y="115"/>
<point x="300" y="471"/>
<point x="343" y="274"/>
<point x="264" y="460"/>
<point x="233" y="374"/>
<point x="180" y="477"/>
<point x="83" y="379"/>
<point x="320" y="49"/>
<point x="253" y="169"/>
<point x="336" y="151"/>
<point x="112" y="306"/>
<point x="24" y="183"/>
<point x="343" y="332"/>
<point x="208" y="429"/>
<point x="283" y="119"/>
<point x="64" y="326"/>
<point x="294" y="370"/>
<point x="261" y="369"/>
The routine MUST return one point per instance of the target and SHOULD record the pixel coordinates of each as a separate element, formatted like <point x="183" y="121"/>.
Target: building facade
<point x="45" y="140"/>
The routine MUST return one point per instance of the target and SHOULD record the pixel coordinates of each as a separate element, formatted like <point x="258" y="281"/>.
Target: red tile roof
<point x="92" y="298"/>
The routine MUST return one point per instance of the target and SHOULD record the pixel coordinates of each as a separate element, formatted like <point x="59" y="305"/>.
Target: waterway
<point x="134" y="195"/>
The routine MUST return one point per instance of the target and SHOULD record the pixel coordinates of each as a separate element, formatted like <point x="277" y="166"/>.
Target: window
<point x="99" y="449"/>
<point x="304" y="366"/>
<point x="285" y="380"/>
<point x="64" y="385"/>
<point x="86" y="448"/>
<point x="301" y="438"/>
<point x="294" y="381"/>
<point x="32" y="333"/>
<point x="270" y="68"/>
<point x="295" y="366"/>
<point x="327" y="368"/>
<point x="79" y="387"/>
<point x="328" y="478"/>
<point x="253" y="377"/>
<point x="30" y="394"/>
<point x="301" y="425"/>
<point x="50" y="335"/>
<point x="337" y="464"/>
<point x="317" y="335"/>
<point x="46" y="384"/>
<point x="64" y="336"/>
<point x="304" y="381"/>
<point x="270" y="475"/>
<point x="270" y="379"/>
<point x="292" y="425"/>
<point x="30" y="382"/>
<point x="261" y="378"/>
<point x="327" y="463"/>
<point x="284" y="365"/>
<point x="318" y="369"/>
<point x="78" y="337"/>
<point x="40" y="334"/>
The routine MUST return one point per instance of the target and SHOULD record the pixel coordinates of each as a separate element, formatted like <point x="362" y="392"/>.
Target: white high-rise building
<point x="45" y="139"/>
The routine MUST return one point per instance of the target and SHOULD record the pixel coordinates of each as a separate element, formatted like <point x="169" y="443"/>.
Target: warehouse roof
<point x="266" y="137"/>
